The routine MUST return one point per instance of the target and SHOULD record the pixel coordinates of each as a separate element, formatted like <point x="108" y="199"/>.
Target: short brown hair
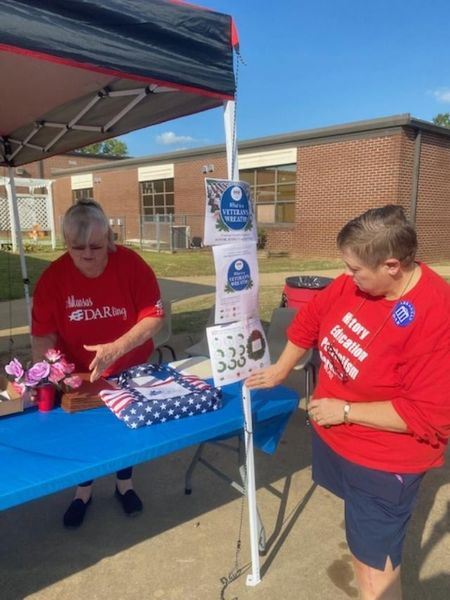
<point x="379" y="234"/>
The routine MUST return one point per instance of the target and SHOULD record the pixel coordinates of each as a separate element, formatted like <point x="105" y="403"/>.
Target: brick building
<point x="49" y="167"/>
<point x="306" y="184"/>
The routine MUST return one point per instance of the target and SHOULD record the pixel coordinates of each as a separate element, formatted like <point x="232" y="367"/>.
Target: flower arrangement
<point x="54" y="369"/>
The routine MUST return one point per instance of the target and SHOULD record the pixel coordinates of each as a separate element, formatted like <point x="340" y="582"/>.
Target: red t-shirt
<point x="82" y="310"/>
<point x="389" y="350"/>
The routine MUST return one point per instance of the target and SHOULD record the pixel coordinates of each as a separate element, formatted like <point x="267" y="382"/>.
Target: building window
<point x="82" y="194"/>
<point x="273" y="191"/>
<point x="157" y="198"/>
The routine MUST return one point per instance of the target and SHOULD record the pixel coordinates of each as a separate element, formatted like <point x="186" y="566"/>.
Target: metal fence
<point x="162" y="232"/>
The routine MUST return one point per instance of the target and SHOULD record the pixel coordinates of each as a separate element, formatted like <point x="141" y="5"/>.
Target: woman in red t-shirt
<point x="381" y="410"/>
<point x="100" y="305"/>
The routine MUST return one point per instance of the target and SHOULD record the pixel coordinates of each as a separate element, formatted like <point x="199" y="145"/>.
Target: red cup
<point x="45" y="397"/>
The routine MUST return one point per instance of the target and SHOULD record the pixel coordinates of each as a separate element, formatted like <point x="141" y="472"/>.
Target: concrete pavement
<point x="182" y="547"/>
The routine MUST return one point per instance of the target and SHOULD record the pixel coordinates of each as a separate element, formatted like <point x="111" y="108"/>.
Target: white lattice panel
<point x="33" y="211"/>
<point x="5" y="224"/>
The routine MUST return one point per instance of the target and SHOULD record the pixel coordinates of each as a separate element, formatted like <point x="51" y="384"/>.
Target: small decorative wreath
<point x="255" y="336"/>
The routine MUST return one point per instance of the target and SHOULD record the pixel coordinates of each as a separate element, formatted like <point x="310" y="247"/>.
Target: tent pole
<point x="18" y="239"/>
<point x="50" y="213"/>
<point x="229" y="117"/>
<point x="250" y="487"/>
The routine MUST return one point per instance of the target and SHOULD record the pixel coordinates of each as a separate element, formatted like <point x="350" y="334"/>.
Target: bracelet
<point x="347" y="408"/>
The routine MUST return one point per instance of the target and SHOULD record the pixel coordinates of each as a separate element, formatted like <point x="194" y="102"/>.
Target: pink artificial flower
<point x="53" y="355"/>
<point x="57" y="373"/>
<point x="19" y="387"/>
<point x="37" y="373"/>
<point x="67" y="367"/>
<point x="15" y="369"/>
<point x="73" y="382"/>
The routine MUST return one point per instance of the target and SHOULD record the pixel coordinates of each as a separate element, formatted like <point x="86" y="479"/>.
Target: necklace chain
<point x="390" y="313"/>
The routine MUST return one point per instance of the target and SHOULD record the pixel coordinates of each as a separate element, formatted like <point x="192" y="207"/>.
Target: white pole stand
<point x="254" y="578"/>
<point x="17" y="238"/>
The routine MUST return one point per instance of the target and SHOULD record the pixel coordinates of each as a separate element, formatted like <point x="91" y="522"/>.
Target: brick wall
<point x="190" y="189"/>
<point x="116" y="190"/>
<point x="433" y="202"/>
<point x="338" y="180"/>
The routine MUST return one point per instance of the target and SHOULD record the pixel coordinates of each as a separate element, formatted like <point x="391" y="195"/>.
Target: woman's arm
<point x="107" y="354"/>
<point x="379" y="415"/>
<point x="275" y="374"/>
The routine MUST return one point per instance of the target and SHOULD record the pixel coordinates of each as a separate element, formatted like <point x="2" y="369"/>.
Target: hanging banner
<point x="237" y="282"/>
<point x="229" y="215"/>
<point x="236" y="350"/>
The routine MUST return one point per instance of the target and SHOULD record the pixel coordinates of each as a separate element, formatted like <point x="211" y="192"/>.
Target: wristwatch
<point x="347" y="408"/>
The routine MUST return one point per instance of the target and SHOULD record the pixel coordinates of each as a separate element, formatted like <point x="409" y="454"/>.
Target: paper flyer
<point x="237" y="282"/>
<point x="236" y="350"/>
<point x="229" y="215"/>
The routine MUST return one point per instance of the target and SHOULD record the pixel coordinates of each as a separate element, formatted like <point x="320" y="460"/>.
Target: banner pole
<point x="250" y="487"/>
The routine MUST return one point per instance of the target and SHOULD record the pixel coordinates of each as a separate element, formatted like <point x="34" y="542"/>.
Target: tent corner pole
<point x="229" y="117"/>
<point x="250" y="488"/>
<point x="18" y="238"/>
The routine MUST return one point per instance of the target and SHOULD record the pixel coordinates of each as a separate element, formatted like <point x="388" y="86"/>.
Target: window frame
<point x="154" y="203"/>
<point x="274" y="188"/>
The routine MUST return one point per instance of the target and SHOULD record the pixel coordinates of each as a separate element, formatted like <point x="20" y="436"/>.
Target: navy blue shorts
<point x="378" y="504"/>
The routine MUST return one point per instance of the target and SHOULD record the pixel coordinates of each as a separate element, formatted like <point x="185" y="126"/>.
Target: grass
<point x="180" y="264"/>
<point x="191" y="315"/>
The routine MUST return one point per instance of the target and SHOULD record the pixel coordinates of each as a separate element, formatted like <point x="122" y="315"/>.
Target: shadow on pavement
<point x="37" y="551"/>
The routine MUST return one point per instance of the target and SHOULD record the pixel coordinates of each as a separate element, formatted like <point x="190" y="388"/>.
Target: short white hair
<point x="81" y="218"/>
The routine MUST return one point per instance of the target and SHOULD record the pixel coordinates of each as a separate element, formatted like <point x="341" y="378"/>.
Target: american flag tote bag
<point x="149" y="394"/>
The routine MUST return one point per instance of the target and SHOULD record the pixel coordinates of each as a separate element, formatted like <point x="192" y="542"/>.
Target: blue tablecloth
<point x="42" y="453"/>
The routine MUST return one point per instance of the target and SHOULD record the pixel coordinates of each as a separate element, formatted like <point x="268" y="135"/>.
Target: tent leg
<point x="254" y="578"/>
<point x="18" y="238"/>
<point x="229" y="117"/>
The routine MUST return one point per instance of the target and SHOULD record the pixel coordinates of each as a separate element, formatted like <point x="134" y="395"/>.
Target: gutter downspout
<point x="415" y="177"/>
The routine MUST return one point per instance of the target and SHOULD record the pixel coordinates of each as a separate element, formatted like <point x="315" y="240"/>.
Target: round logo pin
<point x="403" y="313"/>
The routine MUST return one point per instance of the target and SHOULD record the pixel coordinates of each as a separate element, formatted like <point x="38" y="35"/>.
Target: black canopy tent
<point x="74" y="72"/>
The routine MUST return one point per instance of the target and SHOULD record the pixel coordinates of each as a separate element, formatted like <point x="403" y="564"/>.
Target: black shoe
<point x="130" y="501"/>
<point x="74" y="515"/>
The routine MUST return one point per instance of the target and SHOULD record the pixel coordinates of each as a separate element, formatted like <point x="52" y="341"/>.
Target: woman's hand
<point x="326" y="411"/>
<point x="265" y="378"/>
<point x="105" y="356"/>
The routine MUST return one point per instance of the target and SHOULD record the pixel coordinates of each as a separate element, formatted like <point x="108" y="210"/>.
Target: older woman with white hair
<point x="100" y="304"/>
<point x="381" y="410"/>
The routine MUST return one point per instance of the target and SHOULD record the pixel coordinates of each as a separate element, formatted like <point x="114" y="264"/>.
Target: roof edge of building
<point x="329" y="132"/>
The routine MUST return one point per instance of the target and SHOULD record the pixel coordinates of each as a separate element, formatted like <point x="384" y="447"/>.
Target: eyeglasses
<point x="336" y="363"/>
<point x="92" y="247"/>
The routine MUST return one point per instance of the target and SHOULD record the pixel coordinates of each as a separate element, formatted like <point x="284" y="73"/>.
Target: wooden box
<point x="86" y="396"/>
<point x="11" y="402"/>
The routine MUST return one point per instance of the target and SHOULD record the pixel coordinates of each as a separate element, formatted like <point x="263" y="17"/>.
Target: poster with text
<point x="237" y="350"/>
<point x="237" y="282"/>
<point x="229" y="215"/>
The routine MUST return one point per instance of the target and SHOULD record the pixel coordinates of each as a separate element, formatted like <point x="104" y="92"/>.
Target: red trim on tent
<point x="90" y="67"/>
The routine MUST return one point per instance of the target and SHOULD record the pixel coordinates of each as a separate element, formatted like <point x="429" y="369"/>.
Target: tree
<point x="442" y="119"/>
<point x="112" y="147"/>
